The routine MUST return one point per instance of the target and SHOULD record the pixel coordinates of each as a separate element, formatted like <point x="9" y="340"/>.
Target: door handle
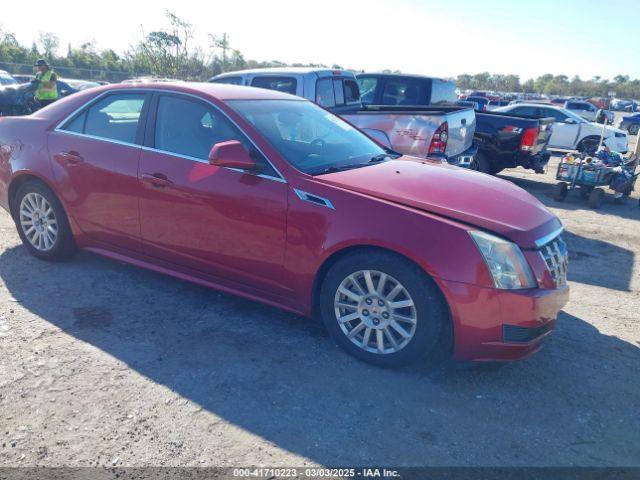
<point x="158" y="180"/>
<point x="71" y="158"/>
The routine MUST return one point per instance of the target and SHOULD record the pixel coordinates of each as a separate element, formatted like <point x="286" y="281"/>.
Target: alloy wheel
<point x="38" y="222"/>
<point x="375" y="312"/>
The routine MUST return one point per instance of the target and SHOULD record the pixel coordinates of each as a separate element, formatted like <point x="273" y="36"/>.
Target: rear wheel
<point x="42" y="223"/>
<point x="633" y="129"/>
<point x="596" y="197"/>
<point x="382" y="309"/>
<point x="480" y="163"/>
<point x="560" y="191"/>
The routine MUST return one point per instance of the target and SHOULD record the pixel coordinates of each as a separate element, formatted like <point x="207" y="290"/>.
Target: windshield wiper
<point x="341" y="168"/>
<point x="382" y="157"/>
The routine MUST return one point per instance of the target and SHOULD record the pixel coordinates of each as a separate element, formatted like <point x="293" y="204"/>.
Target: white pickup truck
<point x="445" y="130"/>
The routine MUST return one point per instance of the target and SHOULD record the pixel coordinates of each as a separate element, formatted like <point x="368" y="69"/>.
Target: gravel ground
<point x="107" y="364"/>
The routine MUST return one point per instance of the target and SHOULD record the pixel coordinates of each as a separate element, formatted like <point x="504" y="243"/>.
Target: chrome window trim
<point x="304" y="196"/>
<point x="542" y="241"/>
<point x="58" y="128"/>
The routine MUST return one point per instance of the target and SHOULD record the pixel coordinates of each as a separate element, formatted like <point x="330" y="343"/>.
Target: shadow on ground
<point x="280" y="377"/>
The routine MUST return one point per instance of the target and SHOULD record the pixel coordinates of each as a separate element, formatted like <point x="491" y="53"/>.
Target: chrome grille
<point x="556" y="257"/>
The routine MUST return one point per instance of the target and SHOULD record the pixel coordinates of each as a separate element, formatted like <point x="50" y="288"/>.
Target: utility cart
<point x="591" y="174"/>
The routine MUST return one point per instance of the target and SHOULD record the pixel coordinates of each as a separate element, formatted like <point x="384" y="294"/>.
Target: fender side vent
<point x="315" y="199"/>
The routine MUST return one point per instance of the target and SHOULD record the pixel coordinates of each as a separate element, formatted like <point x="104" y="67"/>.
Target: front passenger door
<point x="564" y="135"/>
<point x="219" y="221"/>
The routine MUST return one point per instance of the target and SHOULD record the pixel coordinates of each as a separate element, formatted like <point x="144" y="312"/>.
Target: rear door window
<point x="280" y="84"/>
<point x="115" y="117"/>
<point x="528" y="111"/>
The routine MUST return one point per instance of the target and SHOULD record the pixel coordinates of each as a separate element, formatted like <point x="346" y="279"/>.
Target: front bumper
<point x="465" y="158"/>
<point x="501" y="325"/>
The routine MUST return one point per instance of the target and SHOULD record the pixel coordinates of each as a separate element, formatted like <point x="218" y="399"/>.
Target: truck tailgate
<point x="410" y="129"/>
<point x="544" y="133"/>
<point x="462" y="125"/>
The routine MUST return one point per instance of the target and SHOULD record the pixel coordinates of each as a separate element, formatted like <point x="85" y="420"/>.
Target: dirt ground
<point x="106" y="364"/>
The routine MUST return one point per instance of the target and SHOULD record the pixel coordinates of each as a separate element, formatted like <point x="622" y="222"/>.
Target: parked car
<point x="444" y="129"/>
<point x="631" y="123"/>
<point x="482" y="102"/>
<point x="268" y="196"/>
<point x="21" y="78"/>
<point x="17" y="99"/>
<point x="585" y="109"/>
<point x="571" y="131"/>
<point x="7" y="79"/>
<point x="503" y="140"/>
<point x="79" y="85"/>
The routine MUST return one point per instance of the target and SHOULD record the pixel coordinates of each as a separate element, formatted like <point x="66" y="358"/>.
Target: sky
<point x="439" y="38"/>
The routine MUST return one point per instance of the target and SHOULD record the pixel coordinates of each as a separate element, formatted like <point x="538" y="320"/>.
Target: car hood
<point x="467" y="196"/>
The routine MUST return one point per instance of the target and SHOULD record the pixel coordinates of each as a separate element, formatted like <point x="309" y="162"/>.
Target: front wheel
<point x="42" y="223"/>
<point x="633" y="129"/>
<point x="589" y="145"/>
<point x="560" y="191"/>
<point x="383" y="309"/>
<point x="596" y="197"/>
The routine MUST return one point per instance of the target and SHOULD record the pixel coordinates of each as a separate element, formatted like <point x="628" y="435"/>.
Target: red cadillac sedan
<point x="268" y="196"/>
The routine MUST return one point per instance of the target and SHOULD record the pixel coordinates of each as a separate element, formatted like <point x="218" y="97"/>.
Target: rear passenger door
<point x="95" y="160"/>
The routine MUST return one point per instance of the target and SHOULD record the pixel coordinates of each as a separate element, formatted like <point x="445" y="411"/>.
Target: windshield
<point x="310" y="138"/>
<point x="6" y="79"/>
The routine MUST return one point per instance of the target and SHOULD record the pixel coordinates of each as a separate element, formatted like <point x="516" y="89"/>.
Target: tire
<point x="588" y="145"/>
<point x="429" y="310"/>
<point x="480" y="163"/>
<point x="585" y="192"/>
<point x="52" y="239"/>
<point x="560" y="191"/>
<point x="596" y="197"/>
<point x="633" y="129"/>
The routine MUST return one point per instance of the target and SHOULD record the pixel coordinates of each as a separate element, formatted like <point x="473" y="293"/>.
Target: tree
<point x="49" y="44"/>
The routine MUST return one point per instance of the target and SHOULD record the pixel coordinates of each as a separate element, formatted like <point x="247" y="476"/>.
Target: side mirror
<point x="570" y="121"/>
<point x="231" y="154"/>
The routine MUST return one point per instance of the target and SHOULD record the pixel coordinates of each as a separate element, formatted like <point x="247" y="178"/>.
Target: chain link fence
<point x="73" y="72"/>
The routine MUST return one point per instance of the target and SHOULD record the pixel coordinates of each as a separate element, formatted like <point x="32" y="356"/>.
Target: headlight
<point x="506" y="263"/>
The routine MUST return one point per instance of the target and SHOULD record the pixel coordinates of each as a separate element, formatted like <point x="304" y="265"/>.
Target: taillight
<point x="439" y="140"/>
<point x="529" y="139"/>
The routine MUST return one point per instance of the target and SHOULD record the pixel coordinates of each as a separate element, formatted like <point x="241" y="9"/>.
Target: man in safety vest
<point x="46" y="78"/>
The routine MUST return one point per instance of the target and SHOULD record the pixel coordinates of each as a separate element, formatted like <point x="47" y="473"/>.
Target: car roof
<point x="285" y="70"/>
<point x="407" y="75"/>
<point x="221" y="91"/>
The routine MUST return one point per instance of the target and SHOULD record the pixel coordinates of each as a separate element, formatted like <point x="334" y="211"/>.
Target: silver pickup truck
<point x="444" y="130"/>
